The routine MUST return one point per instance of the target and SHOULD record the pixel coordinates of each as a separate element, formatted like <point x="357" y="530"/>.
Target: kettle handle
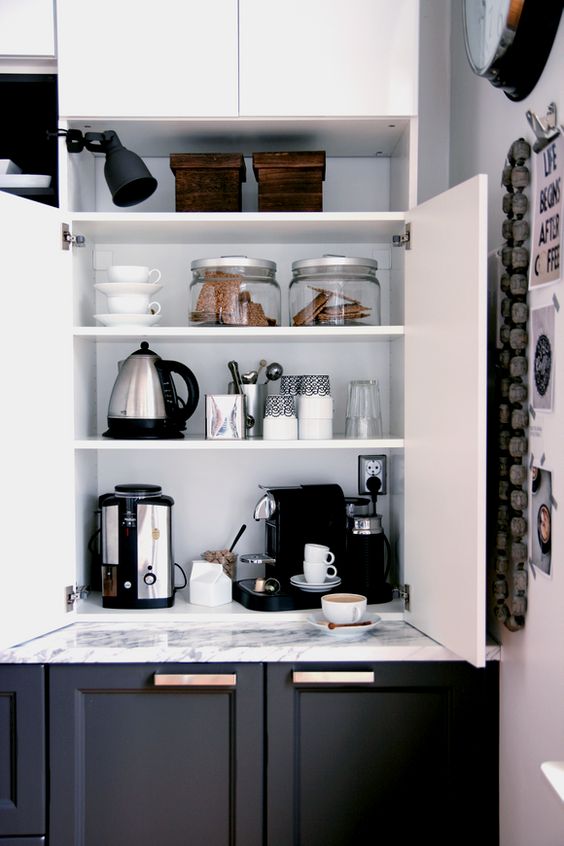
<point x="182" y="411"/>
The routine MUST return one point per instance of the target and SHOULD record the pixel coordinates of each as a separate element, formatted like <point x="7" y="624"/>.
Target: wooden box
<point x="290" y="181"/>
<point x="208" y="182"/>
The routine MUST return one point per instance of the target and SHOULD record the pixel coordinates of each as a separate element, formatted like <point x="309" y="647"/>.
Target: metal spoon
<point x="274" y="371"/>
<point x="250" y="377"/>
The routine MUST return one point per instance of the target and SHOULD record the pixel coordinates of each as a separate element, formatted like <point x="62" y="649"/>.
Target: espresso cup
<point x="316" y="553"/>
<point x="316" y="572"/>
<point x="133" y="304"/>
<point x="132" y="273"/>
<point x="343" y="607"/>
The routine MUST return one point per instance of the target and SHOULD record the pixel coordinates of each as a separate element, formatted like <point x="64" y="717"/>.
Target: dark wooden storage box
<point x="208" y="182"/>
<point x="290" y="181"/>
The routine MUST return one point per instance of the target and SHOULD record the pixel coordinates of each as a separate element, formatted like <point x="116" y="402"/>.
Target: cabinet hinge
<point x="74" y="592"/>
<point x="403" y="240"/>
<point x="69" y="240"/>
<point x="402" y="592"/>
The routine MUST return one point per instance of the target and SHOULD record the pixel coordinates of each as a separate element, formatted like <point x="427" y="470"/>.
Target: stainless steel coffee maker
<point x="136" y="547"/>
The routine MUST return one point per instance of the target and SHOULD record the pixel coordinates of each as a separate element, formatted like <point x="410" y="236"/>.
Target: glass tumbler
<point x="364" y="415"/>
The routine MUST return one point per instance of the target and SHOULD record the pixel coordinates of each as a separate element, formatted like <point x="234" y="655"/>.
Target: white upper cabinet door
<point x="174" y="58"/>
<point x="27" y="28"/>
<point x="445" y="418"/>
<point x="319" y="58"/>
<point x="37" y="558"/>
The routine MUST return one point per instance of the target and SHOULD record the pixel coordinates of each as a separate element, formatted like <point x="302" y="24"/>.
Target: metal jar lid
<point x="329" y="261"/>
<point x="234" y="261"/>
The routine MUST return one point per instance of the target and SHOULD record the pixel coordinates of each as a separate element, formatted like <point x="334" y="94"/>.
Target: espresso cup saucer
<point x="128" y="319"/>
<point x="321" y="623"/>
<point x="330" y="582"/>
<point x="122" y="289"/>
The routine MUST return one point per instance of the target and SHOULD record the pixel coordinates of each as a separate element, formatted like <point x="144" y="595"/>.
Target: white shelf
<point x="288" y="334"/>
<point x="238" y="227"/>
<point x="198" y="442"/>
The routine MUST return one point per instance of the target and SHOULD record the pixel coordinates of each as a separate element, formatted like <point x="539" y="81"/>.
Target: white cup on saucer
<point x="343" y="607"/>
<point x="132" y="273"/>
<point x="315" y="572"/>
<point x="318" y="553"/>
<point x="133" y="304"/>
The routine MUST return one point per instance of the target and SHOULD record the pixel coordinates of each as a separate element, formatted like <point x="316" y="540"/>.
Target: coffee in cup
<point x="343" y="607"/>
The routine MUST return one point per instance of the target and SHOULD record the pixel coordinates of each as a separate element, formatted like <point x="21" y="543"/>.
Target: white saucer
<point x="123" y="288"/>
<point x="317" y="619"/>
<point x="128" y="319"/>
<point x="315" y="587"/>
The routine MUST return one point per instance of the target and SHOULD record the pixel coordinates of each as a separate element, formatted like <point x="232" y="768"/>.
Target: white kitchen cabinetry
<point x="299" y="58"/>
<point x="439" y="438"/>
<point x="130" y="59"/>
<point x="27" y="29"/>
<point x="346" y="57"/>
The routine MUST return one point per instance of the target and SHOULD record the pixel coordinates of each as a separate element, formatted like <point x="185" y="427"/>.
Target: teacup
<point x="133" y="304"/>
<point x="343" y="607"/>
<point x="316" y="572"/>
<point x="132" y="273"/>
<point x="317" y="553"/>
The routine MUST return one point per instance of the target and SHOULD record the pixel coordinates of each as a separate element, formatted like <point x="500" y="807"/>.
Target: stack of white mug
<point x="314" y="405"/>
<point x="130" y="290"/>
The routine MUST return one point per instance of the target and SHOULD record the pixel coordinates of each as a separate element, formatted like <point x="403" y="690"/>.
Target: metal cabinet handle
<point x="195" y="680"/>
<point x="333" y="677"/>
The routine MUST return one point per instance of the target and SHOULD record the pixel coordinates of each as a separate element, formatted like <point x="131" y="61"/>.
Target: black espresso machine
<point x="294" y="516"/>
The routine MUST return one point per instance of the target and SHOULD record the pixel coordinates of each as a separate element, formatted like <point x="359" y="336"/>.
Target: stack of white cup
<point x="130" y="290"/>
<point x="315" y="408"/>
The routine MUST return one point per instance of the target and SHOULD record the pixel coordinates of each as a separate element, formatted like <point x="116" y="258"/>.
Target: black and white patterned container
<point x="314" y="385"/>
<point x="280" y="405"/>
<point x="290" y="385"/>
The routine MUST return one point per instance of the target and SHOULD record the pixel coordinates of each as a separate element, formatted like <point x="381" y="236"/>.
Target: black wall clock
<point x="509" y="41"/>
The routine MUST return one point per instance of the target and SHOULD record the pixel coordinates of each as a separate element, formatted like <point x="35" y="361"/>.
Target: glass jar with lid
<point x="234" y="291"/>
<point x="334" y="291"/>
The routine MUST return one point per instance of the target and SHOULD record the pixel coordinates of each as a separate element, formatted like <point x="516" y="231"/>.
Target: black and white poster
<point x="546" y="204"/>
<point x="541" y="519"/>
<point x="542" y="358"/>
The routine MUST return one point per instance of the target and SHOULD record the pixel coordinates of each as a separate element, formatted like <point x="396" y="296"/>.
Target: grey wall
<point x="483" y="125"/>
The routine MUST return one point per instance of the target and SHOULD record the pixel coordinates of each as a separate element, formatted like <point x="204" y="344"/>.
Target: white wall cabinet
<point x="299" y="58"/>
<point x="310" y="57"/>
<point x="27" y="29"/>
<point x="193" y="470"/>
<point x="130" y="59"/>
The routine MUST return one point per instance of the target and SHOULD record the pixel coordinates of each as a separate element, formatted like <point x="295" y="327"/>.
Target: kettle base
<point x="141" y="429"/>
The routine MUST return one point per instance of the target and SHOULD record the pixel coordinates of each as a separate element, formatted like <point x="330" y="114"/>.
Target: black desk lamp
<point x="128" y="178"/>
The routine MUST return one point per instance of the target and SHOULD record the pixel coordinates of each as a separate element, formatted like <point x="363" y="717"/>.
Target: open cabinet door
<point x="37" y="539"/>
<point x="445" y="418"/>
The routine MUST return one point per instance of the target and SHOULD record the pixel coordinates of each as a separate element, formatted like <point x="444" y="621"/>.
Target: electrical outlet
<point x="371" y="465"/>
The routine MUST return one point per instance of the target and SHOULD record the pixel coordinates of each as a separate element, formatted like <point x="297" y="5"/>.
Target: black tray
<point x="287" y="599"/>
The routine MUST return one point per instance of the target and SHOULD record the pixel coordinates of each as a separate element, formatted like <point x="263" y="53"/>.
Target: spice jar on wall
<point x="234" y="291"/>
<point x="334" y="291"/>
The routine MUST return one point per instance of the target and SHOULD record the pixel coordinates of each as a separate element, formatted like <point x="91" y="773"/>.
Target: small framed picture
<point x="541" y="519"/>
<point x="542" y="358"/>
<point x="225" y="419"/>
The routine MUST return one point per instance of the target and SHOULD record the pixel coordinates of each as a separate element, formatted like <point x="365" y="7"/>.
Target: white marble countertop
<point x="229" y="640"/>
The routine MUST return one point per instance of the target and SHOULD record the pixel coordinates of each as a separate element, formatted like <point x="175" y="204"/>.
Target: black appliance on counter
<point x="295" y="516"/>
<point x="136" y="547"/>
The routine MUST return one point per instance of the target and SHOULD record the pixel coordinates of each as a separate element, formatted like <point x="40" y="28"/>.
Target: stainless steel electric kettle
<point x="144" y="402"/>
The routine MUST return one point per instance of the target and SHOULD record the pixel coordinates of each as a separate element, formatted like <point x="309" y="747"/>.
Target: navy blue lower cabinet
<point x="388" y="752"/>
<point x="149" y="755"/>
<point x="22" y="754"/>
